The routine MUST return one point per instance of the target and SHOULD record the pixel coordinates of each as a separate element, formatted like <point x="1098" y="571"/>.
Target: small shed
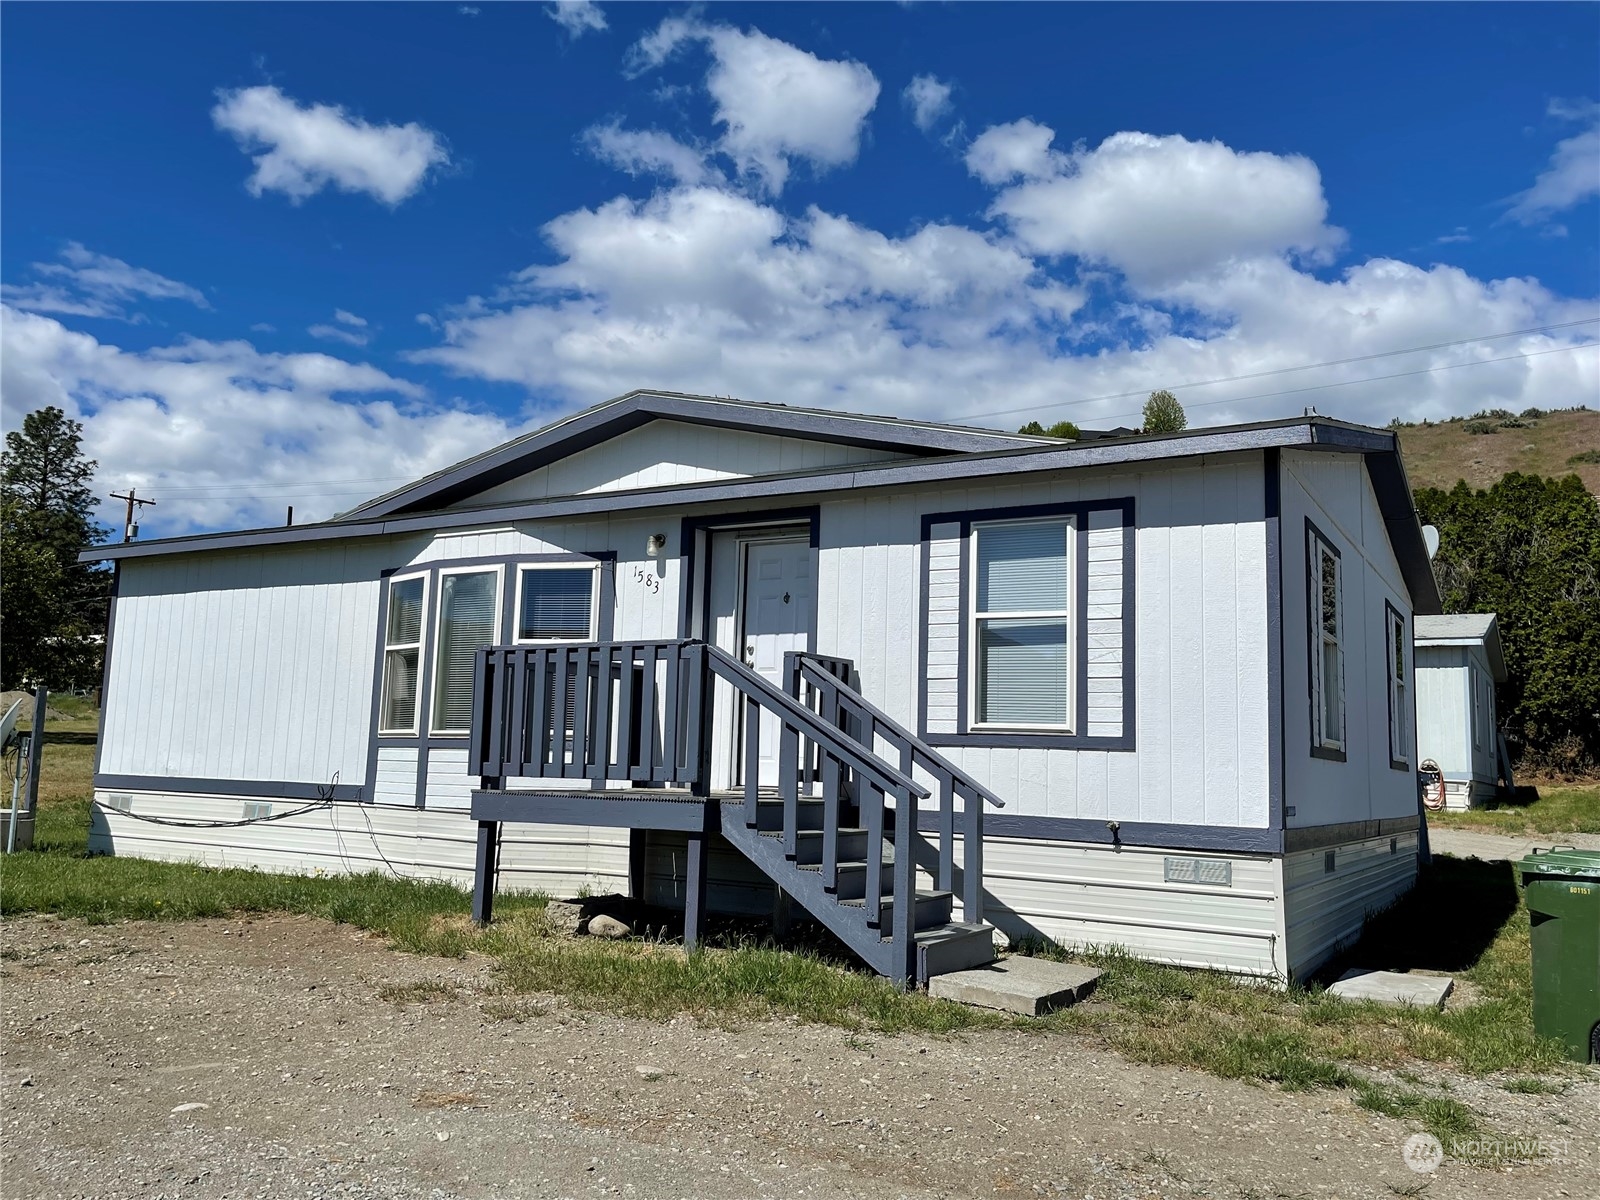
<point x="1458" y="662"/>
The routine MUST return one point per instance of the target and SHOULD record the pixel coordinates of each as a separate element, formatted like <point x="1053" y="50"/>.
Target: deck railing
<point x="641" y="714"/>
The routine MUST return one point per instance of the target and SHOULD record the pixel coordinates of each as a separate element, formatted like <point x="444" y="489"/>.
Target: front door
<point x="776" y="615"/>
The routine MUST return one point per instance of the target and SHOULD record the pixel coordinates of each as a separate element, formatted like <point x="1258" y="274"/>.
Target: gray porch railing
<point x="641" y="712"/>
<point x="826" y="683"/>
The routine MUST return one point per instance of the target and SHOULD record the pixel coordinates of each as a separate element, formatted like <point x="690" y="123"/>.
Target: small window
<point x="1327" y="645"/>
<point x="469" y="620"/>
<point x="557" y="604"/>
<point x="1021" y="628"/>
<point x="1399" y="695"/>
<point x="402" y="655"/>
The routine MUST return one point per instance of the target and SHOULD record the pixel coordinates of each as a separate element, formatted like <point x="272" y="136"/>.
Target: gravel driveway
<point x="257" y="1058"/>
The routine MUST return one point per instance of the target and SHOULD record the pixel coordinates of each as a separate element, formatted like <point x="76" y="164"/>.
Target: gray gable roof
<point x="595" y="425"/>
<point x="1464" y="629"/>
<point x="406" y="511"/>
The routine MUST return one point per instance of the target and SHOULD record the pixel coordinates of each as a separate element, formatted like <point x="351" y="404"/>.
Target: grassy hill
<point x="1481" y="449"/>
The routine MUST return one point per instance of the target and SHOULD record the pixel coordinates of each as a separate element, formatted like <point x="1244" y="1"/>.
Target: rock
<point x="609" y="927"/>
<point x="192" y="1106"/>
<point x="565" y="916"/>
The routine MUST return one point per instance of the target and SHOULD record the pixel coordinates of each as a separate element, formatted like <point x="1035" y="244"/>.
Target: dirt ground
<point x="257" y="1058"/>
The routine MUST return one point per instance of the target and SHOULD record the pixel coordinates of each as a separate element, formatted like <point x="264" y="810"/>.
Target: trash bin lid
<point x="1560" y="863"/>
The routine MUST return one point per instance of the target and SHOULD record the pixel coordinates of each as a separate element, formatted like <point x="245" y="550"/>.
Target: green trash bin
<point x="1563" y="894"/>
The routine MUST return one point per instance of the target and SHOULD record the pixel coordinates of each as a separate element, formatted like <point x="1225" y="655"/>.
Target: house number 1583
<point x="647" y="579"/>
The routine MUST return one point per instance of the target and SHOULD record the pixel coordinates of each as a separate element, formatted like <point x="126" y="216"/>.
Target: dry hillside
<point x="1483" y="448"/>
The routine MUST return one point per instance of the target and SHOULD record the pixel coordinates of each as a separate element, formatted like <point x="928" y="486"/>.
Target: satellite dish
<point x="8" y="725"/>
<point x="1430" y="539"/>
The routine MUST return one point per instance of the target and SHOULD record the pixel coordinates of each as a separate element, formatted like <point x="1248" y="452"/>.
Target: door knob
<point x="750" y="655"/>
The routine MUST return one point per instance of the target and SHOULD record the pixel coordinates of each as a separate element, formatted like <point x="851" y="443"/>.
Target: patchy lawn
<point x="1546" y="809"/>
<point x="1465" y="917"/>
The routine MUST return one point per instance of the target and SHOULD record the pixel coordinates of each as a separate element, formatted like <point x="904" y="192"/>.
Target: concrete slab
<point x="1029" y="986"/>
<point x="1391" y="987"/>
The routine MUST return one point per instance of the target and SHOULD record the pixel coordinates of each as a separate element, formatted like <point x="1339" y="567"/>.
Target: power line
<point x="1335" y="362"/>
<point x="1481" y="362"/>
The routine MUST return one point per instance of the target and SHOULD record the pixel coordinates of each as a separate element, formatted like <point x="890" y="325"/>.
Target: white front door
<point x="776" y="616"/>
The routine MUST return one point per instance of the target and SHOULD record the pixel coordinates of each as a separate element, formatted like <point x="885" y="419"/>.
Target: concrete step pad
<point x="1392" y="987"/>
<point x="1029" y="986"/>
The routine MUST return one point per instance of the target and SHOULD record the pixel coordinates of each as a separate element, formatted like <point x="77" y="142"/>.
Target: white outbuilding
<point x="1459" y="661"/>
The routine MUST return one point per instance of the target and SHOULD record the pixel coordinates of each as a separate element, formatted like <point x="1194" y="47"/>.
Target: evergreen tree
<point x="1528" y="549"/>
<point x="53" y="606"/>
<point x="1163" y="413"/>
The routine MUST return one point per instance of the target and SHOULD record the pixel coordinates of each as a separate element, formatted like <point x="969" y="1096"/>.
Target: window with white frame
<point x="401" y="699"/>
<point x="469" y="620"/>
<point x="557" y="603"/>
<point x="1021" y="630"/>
<point x="1399" y="695"/>
<point x="1327" y="644"/>
<point x="1480" y="706"/>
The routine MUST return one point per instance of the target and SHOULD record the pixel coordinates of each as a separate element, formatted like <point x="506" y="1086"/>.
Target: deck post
<point x="636" y="861"/>
<point x="694" y="891"/>
<point x="483" y="881"/>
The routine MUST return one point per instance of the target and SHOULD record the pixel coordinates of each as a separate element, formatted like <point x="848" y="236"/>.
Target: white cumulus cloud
<point x="223" y="435"/>
<point x="87" y="284"/>
<point x="300" y="149"/>
<point x="1573" y="174"/>
<point x="577" y="17"/>
<point x="1157" y="208"/>
<point x="775" y="102"/>
<point x="649" y="152"/>
<point x="928" y="98"/>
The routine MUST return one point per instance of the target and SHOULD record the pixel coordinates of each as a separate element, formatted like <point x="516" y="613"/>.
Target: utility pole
<point x="130" y="528"/>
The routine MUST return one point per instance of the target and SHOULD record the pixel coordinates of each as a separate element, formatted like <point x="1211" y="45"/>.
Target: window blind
<point x="1023" y="568"/>
<point x="557" y="604"/>
<point x="467" y="604"/>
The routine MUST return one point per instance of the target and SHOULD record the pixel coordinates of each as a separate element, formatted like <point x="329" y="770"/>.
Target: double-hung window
<point x="1399" y="696"/>
<point x="1022" y="624"/>
<point x="469" y="620"/>
<point x="401" y="700"/>
<point x="557" y="603"/>
<point x="1327" y="645"/>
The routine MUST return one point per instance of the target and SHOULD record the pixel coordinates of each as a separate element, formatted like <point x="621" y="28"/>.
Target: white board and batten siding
<point x="1333" y="492"/>
<point x="1200" y="753"/>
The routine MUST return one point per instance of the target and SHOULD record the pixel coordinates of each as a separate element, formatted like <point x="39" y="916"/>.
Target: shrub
<point x="1481" y="427"/>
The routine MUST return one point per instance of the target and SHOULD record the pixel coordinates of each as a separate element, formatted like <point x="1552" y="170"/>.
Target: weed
<point x="417" y="993"/>
<point x="1534" y="1087"/>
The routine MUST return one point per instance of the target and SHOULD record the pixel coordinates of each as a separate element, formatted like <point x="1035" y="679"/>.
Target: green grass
<point x="1548" y="809"/>
<point x="1464" y="917"/>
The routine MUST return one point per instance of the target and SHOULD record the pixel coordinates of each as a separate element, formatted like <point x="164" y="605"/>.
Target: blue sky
<point x="276" y="254"/>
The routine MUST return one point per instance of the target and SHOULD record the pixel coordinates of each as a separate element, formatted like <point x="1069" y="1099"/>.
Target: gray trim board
<point x="373" y="740"/>
<point x="1152" y="835"/>
<point x="1315" y="837"/>
<point x="1079" y="510"/>
<point x="265" y="789"/>
<point x="696" y="815"/>
<point x="1277" y="747"/>
<point x="105" y="663"/>
<point x="1380" y="450"/>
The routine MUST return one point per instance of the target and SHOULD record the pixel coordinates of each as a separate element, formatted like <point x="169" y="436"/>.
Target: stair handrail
<point x="819" y="676"/>
<point x="830" y="677"/>
<point x="836" y="740"/>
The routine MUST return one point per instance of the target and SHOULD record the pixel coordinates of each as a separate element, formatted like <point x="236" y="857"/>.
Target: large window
<point x="402" y="655"/>
<point x="557" y="603"/>
<point x="1022" y="624"/>
<point x="469" y="620"/>
<point x="1327" y="645"/>
<point x="1399" y="695"/>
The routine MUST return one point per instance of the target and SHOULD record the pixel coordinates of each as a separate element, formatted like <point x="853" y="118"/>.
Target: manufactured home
<point x="1459" y="661"/>
<point x="919" y="680"/>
